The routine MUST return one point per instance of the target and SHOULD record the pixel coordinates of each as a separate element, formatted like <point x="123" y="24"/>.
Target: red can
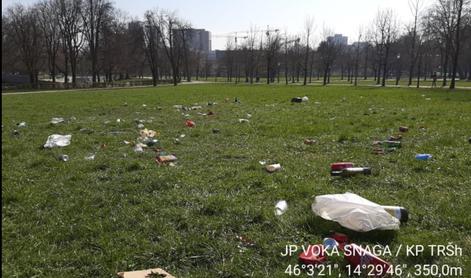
<point x="190" y="123"/>
<point x="339" y="166"/>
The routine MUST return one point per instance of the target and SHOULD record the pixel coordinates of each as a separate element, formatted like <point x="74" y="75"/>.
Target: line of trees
<point x="93" y="41"/>
<point x="77" y="41"/>
<point x="437" y="42"/>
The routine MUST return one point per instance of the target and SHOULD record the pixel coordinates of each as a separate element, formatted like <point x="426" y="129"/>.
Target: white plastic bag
<point x="354" y="212"/>
<point x="57" y="140"/>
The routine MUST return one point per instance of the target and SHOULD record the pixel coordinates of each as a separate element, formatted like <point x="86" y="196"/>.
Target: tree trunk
<point x="457" y="48"/>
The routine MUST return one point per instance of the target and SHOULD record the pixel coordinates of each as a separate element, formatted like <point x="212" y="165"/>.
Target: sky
<point x="222" y="17"/>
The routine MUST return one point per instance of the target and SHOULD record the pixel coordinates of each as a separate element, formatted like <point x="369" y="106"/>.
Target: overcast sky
<point x="222" y="16"/>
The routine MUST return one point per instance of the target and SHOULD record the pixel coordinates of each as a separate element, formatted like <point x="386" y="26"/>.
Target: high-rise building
<point x="338" y="39"/>
<point x="199" y="39"/>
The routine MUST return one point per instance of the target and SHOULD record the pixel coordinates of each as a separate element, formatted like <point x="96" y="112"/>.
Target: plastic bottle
<point x="391" y="144"/>
<point x="351" y="171"/>
<point x="423" y="156"/>
<point x="403" y="129"/>
<point x="356" y="170"/>
<point x="399" y="212"/>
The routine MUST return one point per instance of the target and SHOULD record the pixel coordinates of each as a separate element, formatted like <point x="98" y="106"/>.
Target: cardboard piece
<point x="166" y="158"/>
<point x="145" y="273"/>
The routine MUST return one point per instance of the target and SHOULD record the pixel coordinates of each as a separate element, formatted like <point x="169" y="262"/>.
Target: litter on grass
<point x="403" y="129"/>
<point x="155" y="272"/>
<point x="22" y="124"/>
<point x="163" y="158"/>
<point x="243" y="121"/>
<point x="90" y="157"/>
<point x="57" y="140"/>
<point x="148" y="133"/>
<point x="354" y="212"/>
<point x="55" y="121"/>
<point x="245" y="242"/>
<point x="86" y="130"/>
<point x="281" y="207"/>
<point x="190" y="123"/>
<point x="63" y="157"/>
<point x="423" y="156"/>
<point x="138" y="148"/>
<point x="308" y="141"/>
<point x="273" y="168"/>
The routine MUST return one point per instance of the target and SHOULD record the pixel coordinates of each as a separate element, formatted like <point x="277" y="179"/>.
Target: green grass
<point x="122" y="211"/>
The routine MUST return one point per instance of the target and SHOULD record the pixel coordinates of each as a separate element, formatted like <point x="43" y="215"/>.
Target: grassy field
<point x="122" y="211"/>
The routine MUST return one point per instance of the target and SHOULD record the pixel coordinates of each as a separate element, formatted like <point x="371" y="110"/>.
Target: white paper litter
<point x="281" y="207"/>
<point x="55" y="121"/>
<point x="57" y="140"/>
<point x="90" y="157"/>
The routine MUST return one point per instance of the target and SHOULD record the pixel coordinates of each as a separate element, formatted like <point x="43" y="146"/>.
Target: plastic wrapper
<point x="354" y="212"/>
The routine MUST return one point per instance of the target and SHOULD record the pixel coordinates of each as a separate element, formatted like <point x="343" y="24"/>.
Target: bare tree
<point x="308" y="25"/>
<point x="152" y="43"/>
<point x="71" y="26"/>
<point x="171" y="42"/>
<point x="272" y="47"/>
<point x="94" y="14"/>
<point x="414" y="6"/>
<point x="250" y="43"/>
<point x="49" y="25"/>
<point x="328" y="51"/>
<point x="357" y="56"/>
<point x="440" y="20"/>
<point x="386" y="30"/>
<point x="458" y="7"/>
<point x="185" y="37"/>
<point x="26" y="35"/>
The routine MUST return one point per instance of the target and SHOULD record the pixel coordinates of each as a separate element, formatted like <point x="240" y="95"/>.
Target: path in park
<point x="207" y="82"/>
